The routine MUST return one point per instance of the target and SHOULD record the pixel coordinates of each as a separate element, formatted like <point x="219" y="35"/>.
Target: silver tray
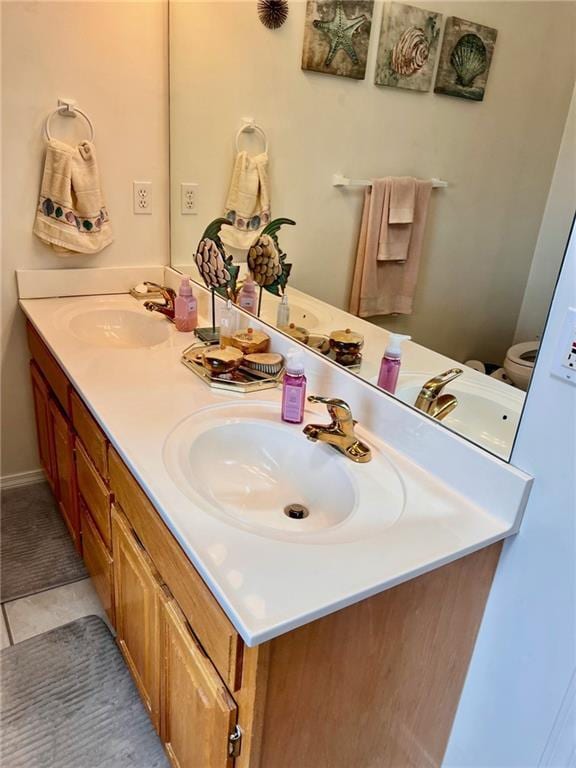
<point x="241" y="380"/>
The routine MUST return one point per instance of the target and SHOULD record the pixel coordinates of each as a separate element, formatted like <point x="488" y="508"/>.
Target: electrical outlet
<point x="564" y="365"/>
<point x="188" y="198"/>
<point x="142" y="197"/>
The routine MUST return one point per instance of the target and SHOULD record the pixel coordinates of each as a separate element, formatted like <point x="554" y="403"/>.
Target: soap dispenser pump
<point x="390" y="365"/>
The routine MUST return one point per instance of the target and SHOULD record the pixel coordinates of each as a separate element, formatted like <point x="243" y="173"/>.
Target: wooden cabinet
<point x="198" y="713"/>
<point x="65" y="471"/>
<point x="374" y="684"/>
<point x="98" y="562"/>
<point x="41" y="395"/>
<point x="138" y="595"/>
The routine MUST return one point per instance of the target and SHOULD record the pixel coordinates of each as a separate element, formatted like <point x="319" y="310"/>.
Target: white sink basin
<point x="488" y="415"/>
<point x="120" y="328"/>
<point x="244" y="465"/>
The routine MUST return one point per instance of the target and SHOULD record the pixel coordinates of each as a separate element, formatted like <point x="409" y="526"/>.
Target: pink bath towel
<point x="386" y="286"/>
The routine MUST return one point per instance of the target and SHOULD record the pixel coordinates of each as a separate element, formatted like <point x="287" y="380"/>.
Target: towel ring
<point x="62" y="110"/>
<point x="251" y="128"/>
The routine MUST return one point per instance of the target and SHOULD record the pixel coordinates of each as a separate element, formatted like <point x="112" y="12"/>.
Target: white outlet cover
<point x="564" y="366"/>
<point x="142" y="197"/>
<point x="188" y="198"/>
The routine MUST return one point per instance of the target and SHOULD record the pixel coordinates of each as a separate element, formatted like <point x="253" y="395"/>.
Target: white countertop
<point x="265" y="586"/>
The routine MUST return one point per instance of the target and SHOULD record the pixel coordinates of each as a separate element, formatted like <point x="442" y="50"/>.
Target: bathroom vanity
<point x="254" y="646"/>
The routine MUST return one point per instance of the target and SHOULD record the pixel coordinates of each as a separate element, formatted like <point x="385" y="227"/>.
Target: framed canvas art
<point x="336" y="37"/>
<point x="465" y="59"/>
<point x="408" y="46"/>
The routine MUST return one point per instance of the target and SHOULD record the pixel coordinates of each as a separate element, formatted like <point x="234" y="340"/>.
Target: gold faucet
<point x="340" y="432"/>
<point x="431" y="401"/>
<point x="169" y="295"/>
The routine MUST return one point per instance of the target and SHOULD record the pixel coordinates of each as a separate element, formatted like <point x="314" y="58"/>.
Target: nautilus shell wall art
<point x="465" y="59"/>
<point x="408" y="46"/>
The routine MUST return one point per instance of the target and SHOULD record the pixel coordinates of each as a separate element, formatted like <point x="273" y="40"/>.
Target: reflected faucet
<point x="340" y="432"/>
<point x="431" y="401"/>
<point x="168" y="308"/>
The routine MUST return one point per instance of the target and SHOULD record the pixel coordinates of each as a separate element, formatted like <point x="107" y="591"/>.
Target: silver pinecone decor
<point x="266" y="260"/>
<point x="215" y="267"/>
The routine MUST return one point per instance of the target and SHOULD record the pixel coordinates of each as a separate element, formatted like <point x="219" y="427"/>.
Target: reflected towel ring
<point x="63" y="110"/>
<point x="251" y="127"/>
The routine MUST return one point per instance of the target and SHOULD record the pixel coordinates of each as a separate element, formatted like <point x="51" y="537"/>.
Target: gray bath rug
<point x="36" y="551"/>
<point x="68" y="701"/>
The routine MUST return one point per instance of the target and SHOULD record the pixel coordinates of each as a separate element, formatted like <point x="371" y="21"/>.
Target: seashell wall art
<point x="407" y="48"/>
<point x="465" y="59"/>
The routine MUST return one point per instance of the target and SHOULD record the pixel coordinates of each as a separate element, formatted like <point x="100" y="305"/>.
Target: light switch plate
<point x="564" y="366"/>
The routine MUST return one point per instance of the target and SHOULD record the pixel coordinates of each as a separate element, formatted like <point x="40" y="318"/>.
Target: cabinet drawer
<point x="93" y="439"/>
<point x="209" y="622"/>
<point x="95" y="494"/>
<point x="98" y="562"/>
<point x="52" y="372"/>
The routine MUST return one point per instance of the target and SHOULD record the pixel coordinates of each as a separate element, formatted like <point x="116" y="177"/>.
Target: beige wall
<point x="498" y="156"/>
<point x="552" y="238"/>
<point x="111" y="57"/>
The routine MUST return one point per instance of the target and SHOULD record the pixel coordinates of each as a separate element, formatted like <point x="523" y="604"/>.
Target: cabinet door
<point x="41" y="396"/>
<point x="138" y="594"/>
<point x="198" y="713"/>
<point x="98" y="562"/>
<point x="66" y="471"/>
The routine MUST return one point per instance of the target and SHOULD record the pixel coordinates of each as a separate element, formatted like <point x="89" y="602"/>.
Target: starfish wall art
<point x="336" y="37"/>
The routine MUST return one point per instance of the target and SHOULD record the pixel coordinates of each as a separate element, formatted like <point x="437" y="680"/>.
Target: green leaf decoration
<point x="272" y="229"/>
<point x="212" y="231"/>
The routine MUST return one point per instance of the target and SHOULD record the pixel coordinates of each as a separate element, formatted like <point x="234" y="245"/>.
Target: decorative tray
<point x="241" y="380"/>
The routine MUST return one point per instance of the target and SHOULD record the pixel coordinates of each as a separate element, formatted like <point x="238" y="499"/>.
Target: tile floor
<point x="29" y="616"/>
<point x="44" y="610"/>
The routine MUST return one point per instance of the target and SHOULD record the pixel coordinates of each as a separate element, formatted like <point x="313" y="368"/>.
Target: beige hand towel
<point x="386" y="287"/>
<point x="72" y="216"/>
<point x="397" y="218"/>
<point x="248" y="203"/>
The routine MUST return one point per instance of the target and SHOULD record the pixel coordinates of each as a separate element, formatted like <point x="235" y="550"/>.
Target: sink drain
<point x="296" y="511"/>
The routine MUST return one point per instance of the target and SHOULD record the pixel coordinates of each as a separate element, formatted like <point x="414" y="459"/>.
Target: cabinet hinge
<point x="235" y="742"/>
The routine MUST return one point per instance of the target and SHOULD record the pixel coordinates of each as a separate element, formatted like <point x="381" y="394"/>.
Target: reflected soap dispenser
<point x="390" y="365"/>
<point x="185" y="307"/>
<point x="247" y="298"/>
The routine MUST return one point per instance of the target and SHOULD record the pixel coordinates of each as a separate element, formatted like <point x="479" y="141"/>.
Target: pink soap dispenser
<point x="293" y="389"/>
<point x="185" y="307"/>
<point x="247" y="298"/>
<point x="390" y="365"/>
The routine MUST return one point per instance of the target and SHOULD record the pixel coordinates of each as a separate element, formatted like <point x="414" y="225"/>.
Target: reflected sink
<point x="487" y="414"/>
<point x="119" y="328"/>
<point x="242" y="464"/>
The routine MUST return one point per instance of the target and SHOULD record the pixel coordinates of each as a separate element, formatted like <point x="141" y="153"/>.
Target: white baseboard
<point x="21" y="478"/>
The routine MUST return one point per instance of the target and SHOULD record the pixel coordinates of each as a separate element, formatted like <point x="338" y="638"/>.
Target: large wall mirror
<point x="477" y="95"/>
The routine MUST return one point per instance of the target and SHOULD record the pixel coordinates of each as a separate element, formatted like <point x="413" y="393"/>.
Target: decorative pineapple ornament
<point x="217" y="270"/>
<point x="215" y="267"/>
<point x="267" y="261"/>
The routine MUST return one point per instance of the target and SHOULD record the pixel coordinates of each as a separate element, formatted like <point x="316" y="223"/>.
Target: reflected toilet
<point x="519" y="362"/>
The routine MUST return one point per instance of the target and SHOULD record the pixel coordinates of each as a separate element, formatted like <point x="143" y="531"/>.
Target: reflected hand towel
<point x="385" y="287"/>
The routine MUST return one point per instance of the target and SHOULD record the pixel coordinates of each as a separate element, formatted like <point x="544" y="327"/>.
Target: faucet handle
<point x="337" y="408"/>
<point x="437" y="383"/>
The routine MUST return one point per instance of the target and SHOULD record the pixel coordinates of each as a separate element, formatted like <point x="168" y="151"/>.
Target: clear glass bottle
<point x="283" y="312"/>
<point x="293" y="389"/>
<point x="228" y="325"/>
